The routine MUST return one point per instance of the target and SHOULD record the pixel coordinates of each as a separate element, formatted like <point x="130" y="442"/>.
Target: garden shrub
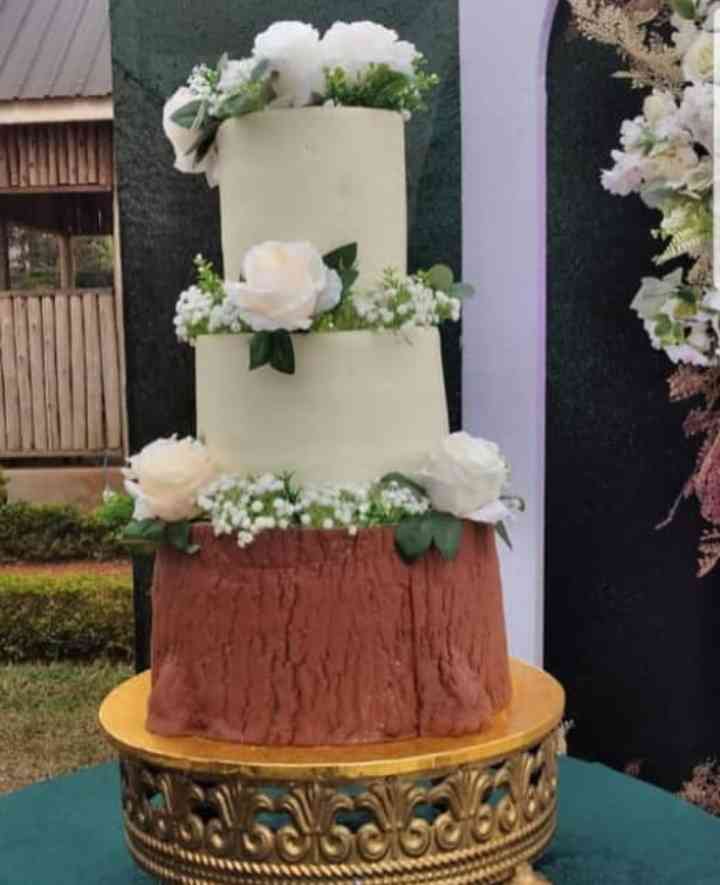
<point x="56" y="533"/>
<point x="52" y="617"/>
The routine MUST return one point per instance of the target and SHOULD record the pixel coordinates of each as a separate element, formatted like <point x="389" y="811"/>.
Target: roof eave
<point x="19" y="112"/>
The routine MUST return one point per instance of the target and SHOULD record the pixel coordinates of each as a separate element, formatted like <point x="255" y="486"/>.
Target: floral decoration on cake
<point x="361" y="64"/>
<point x="290" y="287"/>
<point x="174" y="483"/>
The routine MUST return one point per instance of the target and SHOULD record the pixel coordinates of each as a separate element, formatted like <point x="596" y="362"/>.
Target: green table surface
<point x="613" y="830"/>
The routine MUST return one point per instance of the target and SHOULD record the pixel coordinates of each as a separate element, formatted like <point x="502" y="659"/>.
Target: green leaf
<point x="414" y="537"/>
<point x="403" y="480"/>
<point x="663" y="325"/>
<point x="684" y="8"/>
<point x="343" y="258"/>
<point x="204" y="142"/>
<point x="150" y="530"/>
<point x="283" y="353"/>
<point x="188" y="114"/>
<point x="461" y="290"/>
<point x="441" y="277"/>
<point x="261" y="349"/>
<point x="239" y="105"/>
<point x="348" y="279"/>
<point x="260" y="69"/>
<point x="502" y="531"/>
<point x="447" y="534"/>
<point x="177" y="534"/>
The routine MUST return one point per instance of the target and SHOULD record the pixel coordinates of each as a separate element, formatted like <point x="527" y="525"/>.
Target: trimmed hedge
<point x="55" y="533"/>
<point x="47" y="618"/>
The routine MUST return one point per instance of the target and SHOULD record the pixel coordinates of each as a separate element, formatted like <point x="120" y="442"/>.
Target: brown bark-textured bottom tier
<point x="310" y="638"/>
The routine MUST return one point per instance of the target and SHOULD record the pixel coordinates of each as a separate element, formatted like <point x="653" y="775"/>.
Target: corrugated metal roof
<point x="54" y="49"/>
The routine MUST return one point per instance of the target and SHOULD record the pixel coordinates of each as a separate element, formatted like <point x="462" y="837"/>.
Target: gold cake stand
<point x="451" y="811"/>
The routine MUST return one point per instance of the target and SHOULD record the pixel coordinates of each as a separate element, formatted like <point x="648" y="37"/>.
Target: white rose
<point x="699" y="60"/>
<point x="353" y="47"/>
<point x="627" y="175"/>
<point x="658" y="106"/>
<point x="285" y="286"/>
<point x="671" y="163"/>
<point x="166" y="477"/>
<point x="182" y="139"/>
<point x="654" y="293"/>
<point x="684" y="32"/>
<point x="465" y="475"/>
<point x="697" y="113"/>
<point x="293" y="50"/>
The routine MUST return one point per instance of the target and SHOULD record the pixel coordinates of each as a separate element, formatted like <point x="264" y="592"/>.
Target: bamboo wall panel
<point x="22" y="356"/>
<point x="60" y="378"/>
<point x="9" y="392"/>
<point x="62" y="342"/>
<point x="56" y="156"/>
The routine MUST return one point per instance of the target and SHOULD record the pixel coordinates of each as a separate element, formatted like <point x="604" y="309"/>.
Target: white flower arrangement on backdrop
<point x="361" y="64"/>
<point x="174" y="483"/>
<point x="666" y="157"/>
<point x="290" y="287"/>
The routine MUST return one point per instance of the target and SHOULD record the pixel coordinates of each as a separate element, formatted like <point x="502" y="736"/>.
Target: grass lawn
<point x="48" y="718"/>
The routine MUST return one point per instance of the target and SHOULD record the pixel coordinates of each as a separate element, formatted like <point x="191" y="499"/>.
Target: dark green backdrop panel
<point x="167" y="218"/>
<point x="630" y="631"/>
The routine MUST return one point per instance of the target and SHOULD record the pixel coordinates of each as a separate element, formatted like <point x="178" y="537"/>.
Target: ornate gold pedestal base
<point x="459" y="811"/>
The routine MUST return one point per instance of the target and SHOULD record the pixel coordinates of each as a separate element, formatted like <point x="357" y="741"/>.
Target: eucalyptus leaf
<point x="177" y="534"/>
<point x="239" y="105"/>
<point x="260" y="69"/>
<point x="204" y="142"/>
<point x="447" y="534"/>
<point x="461" y="290"/>
<point x="261" y="349"/>
<point x="188" y="115"/>
<point x="343" y="258"/>
<point x="441" y="277"/>
<point x="282" y="357"/>
<point x="348" y="279"/>
<point x="403" y="480"/>
<point x="685" y="8"/>
<point x="414" y="537"/>
<point x="151" y="531"/>
<point x="502" y="531"/>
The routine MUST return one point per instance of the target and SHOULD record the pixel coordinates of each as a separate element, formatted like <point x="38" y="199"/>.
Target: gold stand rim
<point x="535" y="711"/>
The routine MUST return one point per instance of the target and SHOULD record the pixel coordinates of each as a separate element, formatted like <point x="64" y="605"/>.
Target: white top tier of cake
<point x="328" y="176"/>
<point x="360" y="405"/>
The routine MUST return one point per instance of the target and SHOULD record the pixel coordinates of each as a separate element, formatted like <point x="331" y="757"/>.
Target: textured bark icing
<point x="310" y="638"/>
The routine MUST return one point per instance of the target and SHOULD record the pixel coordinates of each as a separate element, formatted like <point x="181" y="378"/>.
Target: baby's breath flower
<point x="400" y="302"/>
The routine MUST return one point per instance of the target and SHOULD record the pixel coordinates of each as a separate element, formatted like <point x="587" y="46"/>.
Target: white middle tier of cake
<point x="360" y="405"/>
<point x="328" y="176"/>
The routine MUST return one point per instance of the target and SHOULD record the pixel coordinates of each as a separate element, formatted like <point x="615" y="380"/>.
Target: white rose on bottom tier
<point x="166" y="477"/>
<point x="465" y="476"/>
<point x="286" y="285"/>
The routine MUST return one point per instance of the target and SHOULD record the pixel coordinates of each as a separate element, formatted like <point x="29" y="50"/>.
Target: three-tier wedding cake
<point x="326" y="570"/>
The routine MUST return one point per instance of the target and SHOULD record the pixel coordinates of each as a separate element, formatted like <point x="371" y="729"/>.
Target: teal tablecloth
<point x="612" y="831"/>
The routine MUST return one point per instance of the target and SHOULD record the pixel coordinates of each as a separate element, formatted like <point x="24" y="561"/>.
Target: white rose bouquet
<point x="360" y="64"/>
